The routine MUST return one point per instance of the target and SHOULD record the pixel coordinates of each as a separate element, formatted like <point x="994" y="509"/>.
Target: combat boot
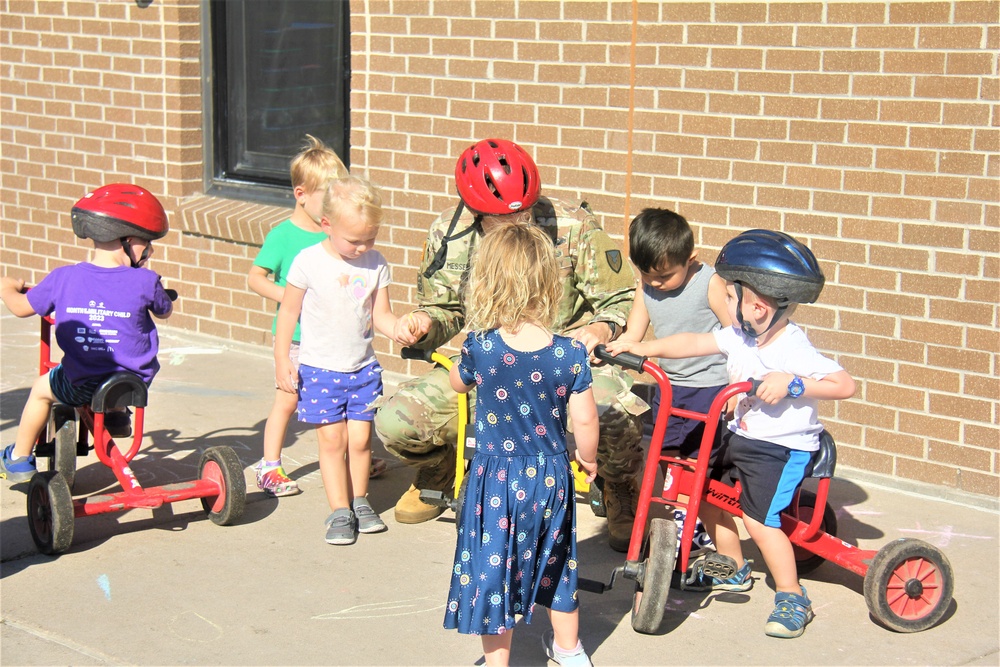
<point x="411" y="509"/>
<point x="621" y="499"/>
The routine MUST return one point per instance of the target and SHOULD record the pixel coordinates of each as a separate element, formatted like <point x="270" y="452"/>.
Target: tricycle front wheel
<point x="650" y="598"/>
<point x="50" y="512"/>
<point x="59" y="451"/>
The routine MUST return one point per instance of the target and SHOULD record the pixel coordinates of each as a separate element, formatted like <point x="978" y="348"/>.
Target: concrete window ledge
<point x="228" y="219"/>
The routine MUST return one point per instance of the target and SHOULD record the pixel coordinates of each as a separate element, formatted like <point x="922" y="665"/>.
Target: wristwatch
<point x="796" y="388"/>
<point x="613" y="326"/>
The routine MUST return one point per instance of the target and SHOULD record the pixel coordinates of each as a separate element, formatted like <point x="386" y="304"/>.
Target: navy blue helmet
<point x="773" y="264"/>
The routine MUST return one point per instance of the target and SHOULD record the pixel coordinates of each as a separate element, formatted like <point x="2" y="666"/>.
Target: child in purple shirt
<point x="102" y="310"/>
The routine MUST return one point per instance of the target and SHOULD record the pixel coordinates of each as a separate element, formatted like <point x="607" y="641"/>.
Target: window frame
<point x="215" y="181"/>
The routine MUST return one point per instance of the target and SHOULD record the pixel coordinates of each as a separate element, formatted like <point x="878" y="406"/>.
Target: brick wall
<point x="869" y="130"/>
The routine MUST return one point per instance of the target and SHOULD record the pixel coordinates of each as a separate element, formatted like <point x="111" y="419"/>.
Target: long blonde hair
<point x="514" y="280"/>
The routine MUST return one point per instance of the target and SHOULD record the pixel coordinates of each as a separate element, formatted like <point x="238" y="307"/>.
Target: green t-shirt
<point x="281" y="245"/>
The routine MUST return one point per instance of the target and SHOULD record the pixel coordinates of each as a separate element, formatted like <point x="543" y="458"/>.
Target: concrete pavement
<point x="170" y="587"/>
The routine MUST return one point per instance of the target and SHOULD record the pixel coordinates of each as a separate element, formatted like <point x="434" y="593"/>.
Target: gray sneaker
<point x="341" y="527"/>
<point x="368" y="520"/>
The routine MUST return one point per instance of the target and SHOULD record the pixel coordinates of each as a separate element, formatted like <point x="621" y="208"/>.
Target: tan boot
<point x="410" y="509"/>
<point x="621" y="499"/>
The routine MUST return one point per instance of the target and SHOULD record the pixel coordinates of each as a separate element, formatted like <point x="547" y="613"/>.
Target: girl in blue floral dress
<point x="517" y="529"/>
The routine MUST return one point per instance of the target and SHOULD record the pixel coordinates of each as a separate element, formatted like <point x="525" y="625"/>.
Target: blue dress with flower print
<point x="517" y="530"/>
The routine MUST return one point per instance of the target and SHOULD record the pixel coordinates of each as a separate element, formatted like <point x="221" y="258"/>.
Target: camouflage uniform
<point x="418" y="423"/>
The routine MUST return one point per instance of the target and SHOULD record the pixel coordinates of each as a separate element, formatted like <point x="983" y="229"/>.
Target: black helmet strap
<point x="127" y="247"/>
<point x="745" y="326"/>
<point x="442" y="253"/>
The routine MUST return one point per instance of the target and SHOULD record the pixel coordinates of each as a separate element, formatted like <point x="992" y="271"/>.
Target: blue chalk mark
<point x="105" y="585"/>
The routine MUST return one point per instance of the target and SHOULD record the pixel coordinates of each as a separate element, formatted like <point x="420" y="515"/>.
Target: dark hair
<point x="658" y="237"/>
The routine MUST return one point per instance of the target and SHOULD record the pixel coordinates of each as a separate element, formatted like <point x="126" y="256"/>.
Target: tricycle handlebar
<point x="414" y="353"/>
<point x="624" y="359"/>
<point x="636" y="362"/>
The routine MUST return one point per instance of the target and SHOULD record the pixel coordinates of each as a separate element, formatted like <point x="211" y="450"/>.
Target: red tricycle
<point x="908" y="583"/>
<point x="51" y="506"/>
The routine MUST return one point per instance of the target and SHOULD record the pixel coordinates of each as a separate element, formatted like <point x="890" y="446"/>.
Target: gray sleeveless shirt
<point x="686" y="310"/>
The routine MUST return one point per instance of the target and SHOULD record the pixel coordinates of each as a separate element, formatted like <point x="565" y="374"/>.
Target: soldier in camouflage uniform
<point x="498" y="181"/>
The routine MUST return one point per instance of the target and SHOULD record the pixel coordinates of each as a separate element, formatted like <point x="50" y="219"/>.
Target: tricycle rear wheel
<point x="909" y="585"/>
<point x="222" y="466"/>
<point x="650" y="598"/>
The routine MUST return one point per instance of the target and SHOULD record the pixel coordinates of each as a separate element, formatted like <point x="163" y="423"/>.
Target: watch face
<point x="796" y="388"/>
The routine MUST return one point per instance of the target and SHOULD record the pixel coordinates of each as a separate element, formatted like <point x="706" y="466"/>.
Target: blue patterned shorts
<point x="69" y="394"/>
<point x="328" y="397"/>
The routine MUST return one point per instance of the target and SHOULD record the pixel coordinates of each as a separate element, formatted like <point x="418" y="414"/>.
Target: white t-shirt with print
<point x="336" y="318"/>
<point x="791" y="422"/>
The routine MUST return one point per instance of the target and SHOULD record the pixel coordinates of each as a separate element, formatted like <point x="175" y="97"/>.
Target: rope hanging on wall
<point x="631" y="120"/>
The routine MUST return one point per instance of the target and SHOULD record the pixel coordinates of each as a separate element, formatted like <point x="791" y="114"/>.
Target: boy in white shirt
<point x="769" y="443"/>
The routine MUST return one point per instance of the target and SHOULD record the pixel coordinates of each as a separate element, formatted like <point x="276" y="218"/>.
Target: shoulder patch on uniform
<point x="614" y="258"/>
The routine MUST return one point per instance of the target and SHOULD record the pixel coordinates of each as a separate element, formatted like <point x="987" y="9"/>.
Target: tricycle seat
<point x="824" y="460"/>
<point x="121" y="390"/>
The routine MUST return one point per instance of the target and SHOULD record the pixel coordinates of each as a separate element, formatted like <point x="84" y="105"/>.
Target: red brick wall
<point x="869" y="130"/>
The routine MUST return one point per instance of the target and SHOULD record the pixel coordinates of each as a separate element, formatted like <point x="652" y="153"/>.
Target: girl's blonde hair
<point x="514" y="280"/>
<point x="315" y="165"/>
<point x="353" y="193"/>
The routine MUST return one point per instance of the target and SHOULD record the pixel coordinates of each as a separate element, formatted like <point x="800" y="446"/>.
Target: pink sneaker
<point x="274" y="481"/>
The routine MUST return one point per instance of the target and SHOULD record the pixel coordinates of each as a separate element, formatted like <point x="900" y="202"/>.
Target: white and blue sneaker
<point x="19" y="469"/>
<point x="791" y="614"/>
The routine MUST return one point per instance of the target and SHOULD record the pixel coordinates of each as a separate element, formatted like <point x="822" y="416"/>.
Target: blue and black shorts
<point x="768" y="473"/>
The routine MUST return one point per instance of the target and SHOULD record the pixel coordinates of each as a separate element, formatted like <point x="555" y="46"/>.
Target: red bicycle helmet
<point x="115" y="211"/>
<point x="497" y="177"/>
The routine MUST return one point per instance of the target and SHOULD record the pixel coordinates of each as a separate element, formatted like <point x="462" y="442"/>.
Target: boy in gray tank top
<point x="678" y="294"/>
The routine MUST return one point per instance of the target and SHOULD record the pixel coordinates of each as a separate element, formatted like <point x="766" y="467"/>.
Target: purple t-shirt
<point x="103" y="322"/>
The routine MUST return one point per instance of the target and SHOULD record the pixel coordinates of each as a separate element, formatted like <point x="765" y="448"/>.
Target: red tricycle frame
<point x="221" y="486"/>
<point x="908" y="583"/>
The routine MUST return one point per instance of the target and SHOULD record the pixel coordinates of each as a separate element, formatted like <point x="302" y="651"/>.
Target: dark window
<point x="281" y="70"/>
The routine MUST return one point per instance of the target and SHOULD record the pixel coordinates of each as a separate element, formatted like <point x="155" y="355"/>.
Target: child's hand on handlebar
<point x="13" y="293"/>
<point x="590" y="467"/>
<point x="774" y="387"/>
<point x="16" y="284"/>
<point x="616" y="347"/>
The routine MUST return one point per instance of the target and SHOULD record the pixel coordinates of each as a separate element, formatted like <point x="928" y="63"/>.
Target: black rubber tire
<point x="650" y="598"/>
<point x="50" y="512"/>
<point x="220" y="464"/>
<point x="805" y="560"/>
<point x="63" y="431"/>
<point x="909" y="585"/>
